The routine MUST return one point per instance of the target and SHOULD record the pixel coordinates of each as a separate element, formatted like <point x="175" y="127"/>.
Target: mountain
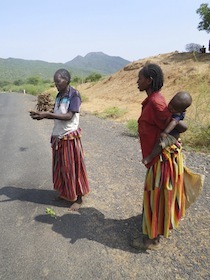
<point x="98" y="62"/>
<point x="12" y="69"/>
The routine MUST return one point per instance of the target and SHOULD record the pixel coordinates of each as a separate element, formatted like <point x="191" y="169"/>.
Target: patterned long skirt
<point x="164" y="195"/>
<point x="69" y="171"/>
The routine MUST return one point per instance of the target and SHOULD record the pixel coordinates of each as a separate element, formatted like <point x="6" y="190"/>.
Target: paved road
<point x="93" y="243"/>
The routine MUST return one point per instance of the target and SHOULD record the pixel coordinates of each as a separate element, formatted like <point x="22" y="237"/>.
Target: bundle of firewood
<point x="45" y="102"/>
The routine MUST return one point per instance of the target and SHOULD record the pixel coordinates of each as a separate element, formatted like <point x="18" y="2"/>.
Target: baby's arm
<point x="173" y="123"/>
<point x="180" y="126"/>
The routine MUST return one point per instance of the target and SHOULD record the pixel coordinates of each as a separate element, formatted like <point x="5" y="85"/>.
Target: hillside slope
<point x="13" y="69"/>
<point x="182" y="71"/>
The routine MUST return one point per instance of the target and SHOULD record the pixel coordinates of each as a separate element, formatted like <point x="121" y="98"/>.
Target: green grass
<point x="132" y="127"/>
<point x="197" y="137"/>
<point x="27" y="88"/>
<point x="198" y="115"/>
<point x="112" y="113"/>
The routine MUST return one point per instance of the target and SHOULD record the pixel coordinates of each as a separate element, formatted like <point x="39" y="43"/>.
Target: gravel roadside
<point x="116" y="175"/>
<point x="92" y="243"/>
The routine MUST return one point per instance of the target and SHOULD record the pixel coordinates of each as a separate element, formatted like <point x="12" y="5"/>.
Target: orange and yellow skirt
<point x="164" y="194"/>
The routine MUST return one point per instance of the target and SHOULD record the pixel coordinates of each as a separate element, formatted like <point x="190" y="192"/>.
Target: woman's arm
<point x="48" y="115"/>
<point x="173" y="123"/>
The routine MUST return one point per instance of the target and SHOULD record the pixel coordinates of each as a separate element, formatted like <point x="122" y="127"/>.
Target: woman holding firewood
<point x="69" y="171"/>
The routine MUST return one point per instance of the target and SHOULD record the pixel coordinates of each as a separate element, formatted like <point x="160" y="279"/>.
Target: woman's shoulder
<point x="157" y="98"/>
<point x="158" y="102"/>
<point x="73" y="92"/>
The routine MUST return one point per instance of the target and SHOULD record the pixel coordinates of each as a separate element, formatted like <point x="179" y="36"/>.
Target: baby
<point x="177" y="106"/>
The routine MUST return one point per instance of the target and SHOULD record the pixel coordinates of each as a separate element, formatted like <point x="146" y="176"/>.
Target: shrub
<point x="132" y="127"/>
<point x="33" y="80"/>
<point x="18" y="82"/>
<point x="112" y="112"/>
<point x="77" y="80"/>
<point x="94" y="77"/>
<point x="192" y="47"/>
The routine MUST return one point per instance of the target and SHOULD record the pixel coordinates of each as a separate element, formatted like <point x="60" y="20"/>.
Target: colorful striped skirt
<point x="164" y="195"/>
<point x="69" y="171"/>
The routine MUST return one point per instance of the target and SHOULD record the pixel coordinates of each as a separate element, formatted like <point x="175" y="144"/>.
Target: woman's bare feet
<point x="76" y="204"/>
<point x="144" y="243"/>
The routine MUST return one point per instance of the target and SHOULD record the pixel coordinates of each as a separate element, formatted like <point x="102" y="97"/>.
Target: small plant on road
<point x="51" y="212"/>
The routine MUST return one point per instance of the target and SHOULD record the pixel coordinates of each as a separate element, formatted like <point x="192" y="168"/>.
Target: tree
<point x="33" y="81"/>
<point x="18" y="82"/>
<point x="94" y="77"/>
<point x="204" y="12"/>
<point x="192" y="47"/>
<point x="76" y="80"/>
<point x="4" y="83"/>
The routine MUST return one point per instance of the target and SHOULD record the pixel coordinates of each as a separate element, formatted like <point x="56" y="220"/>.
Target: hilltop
<point x="98" y="62"/>
<point x="182" y="71"/>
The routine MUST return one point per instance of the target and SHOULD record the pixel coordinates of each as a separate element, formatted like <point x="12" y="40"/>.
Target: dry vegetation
<point x="182" y="71"/>
<point x="45" y="102"/>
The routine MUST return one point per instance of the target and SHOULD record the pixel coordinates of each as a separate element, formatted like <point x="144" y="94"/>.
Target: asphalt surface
<point x="94" y="242"/>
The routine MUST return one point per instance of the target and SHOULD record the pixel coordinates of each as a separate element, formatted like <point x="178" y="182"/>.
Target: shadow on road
<point x="91" y="224"/>
<point x="39" y="196"/>
<point x="88" y="223"/>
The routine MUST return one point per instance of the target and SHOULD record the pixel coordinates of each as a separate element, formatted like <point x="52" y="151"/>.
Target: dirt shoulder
<point x="116" y="176"/>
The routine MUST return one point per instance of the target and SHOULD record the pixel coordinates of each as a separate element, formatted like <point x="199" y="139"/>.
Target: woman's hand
<point x="38" y="115"/>
<point x="163" y="135"/>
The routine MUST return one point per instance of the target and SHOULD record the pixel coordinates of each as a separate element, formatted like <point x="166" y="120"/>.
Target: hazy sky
<point x="58" y="31"/>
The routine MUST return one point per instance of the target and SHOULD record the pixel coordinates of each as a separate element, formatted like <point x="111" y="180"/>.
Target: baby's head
<point x="180" y="102"/>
